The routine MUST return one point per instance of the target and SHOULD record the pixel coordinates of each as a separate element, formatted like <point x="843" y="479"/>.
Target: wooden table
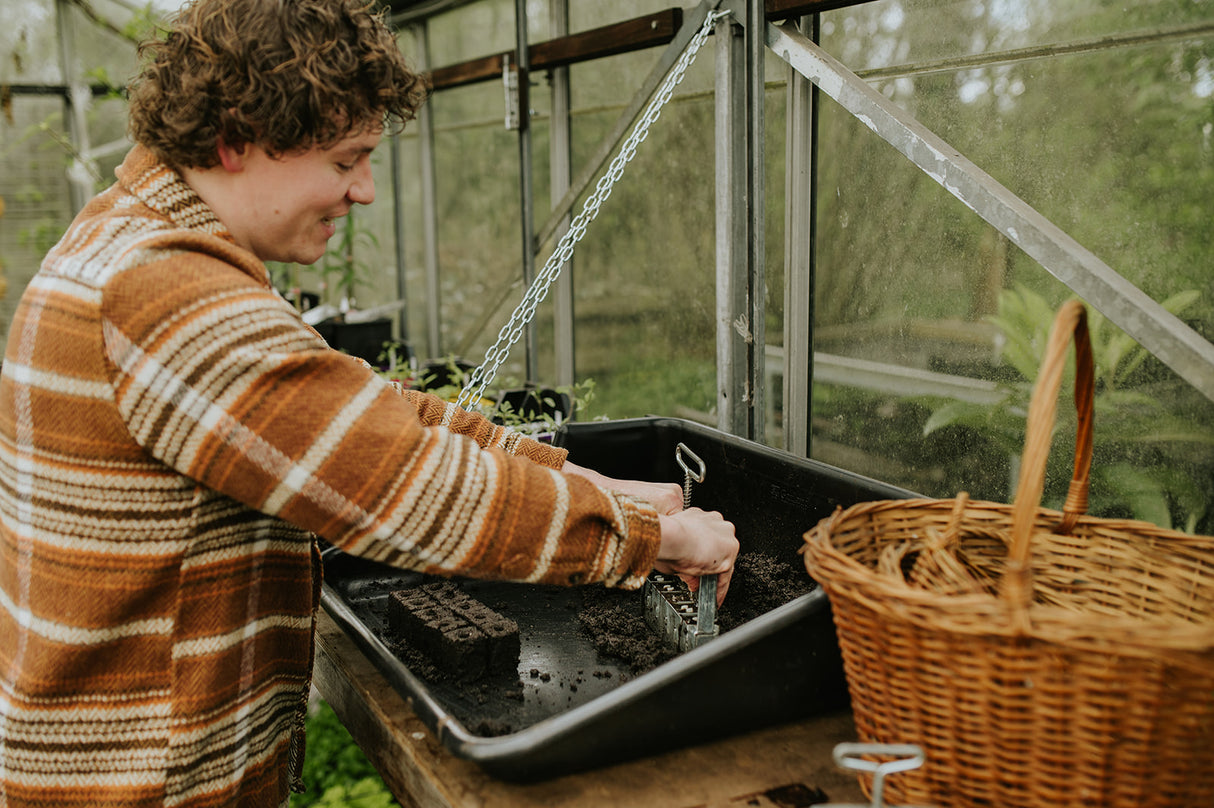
<point x="781" y="767"/>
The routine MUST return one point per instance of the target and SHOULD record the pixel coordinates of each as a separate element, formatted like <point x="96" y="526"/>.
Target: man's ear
<point x="232" y="156"/>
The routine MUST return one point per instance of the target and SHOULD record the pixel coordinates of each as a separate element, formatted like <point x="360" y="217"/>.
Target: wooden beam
<point x="470" y="72"/>
<point x="55" y="89"/>
<point x="638" y="33"/>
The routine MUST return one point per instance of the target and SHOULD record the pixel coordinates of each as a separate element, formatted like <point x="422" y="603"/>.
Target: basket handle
<point x="1071" y="321"/>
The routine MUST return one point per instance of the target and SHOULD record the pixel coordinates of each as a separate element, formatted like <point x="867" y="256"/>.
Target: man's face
<point x="291" y="202"/>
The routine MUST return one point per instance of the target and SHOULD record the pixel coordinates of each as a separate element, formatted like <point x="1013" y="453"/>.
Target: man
<point x="172" y="436"/>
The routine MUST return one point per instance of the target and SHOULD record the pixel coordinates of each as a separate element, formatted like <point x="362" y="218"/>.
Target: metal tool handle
<point x="706" y="603"/>
<point x="706" y="597"/>
<point x="851" y="756"/>
<point x="688" y="475"/>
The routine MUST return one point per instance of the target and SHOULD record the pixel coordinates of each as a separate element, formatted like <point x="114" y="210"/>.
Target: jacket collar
<point x="163" y="190"/>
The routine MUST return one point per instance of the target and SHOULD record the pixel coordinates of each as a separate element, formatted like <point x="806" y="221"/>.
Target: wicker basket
<point x="1039" y="657"/>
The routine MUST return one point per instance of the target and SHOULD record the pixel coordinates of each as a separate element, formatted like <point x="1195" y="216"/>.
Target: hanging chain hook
<point x="513" y="330"/>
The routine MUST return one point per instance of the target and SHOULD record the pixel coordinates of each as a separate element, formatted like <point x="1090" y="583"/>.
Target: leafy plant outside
<point x="342" y="270"/>
<point x="1149" y="462"/>
<point x="539" y="413"/>
<point x="336" y="773"/>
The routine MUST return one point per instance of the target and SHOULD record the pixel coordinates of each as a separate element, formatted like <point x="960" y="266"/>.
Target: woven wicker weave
<point x="1040" y="657"/>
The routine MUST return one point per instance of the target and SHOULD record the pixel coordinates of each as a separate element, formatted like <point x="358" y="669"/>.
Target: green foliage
<point x="369" y="792"/>
<point x="335" y="772"/>
<point x="1116" y="352"/>
<point x="1152" y="460"/>
<point x="101" y="76"/>
<point x="581" y="394"/>
<point x="654" y="385"/>
<point x="881" y="435"/>
<point x="343" y="268"/>
<point x="395" y="368"/>
<point x="41" y="235"/>
<point x="425" y="379"/>
<point x="143" y="24"/>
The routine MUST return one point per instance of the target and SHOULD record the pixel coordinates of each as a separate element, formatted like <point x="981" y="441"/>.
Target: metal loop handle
<point x="851" y="756"/>
<point x="688" y="474"/>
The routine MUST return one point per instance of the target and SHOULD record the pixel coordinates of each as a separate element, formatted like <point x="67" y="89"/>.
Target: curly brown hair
<point x="283" y="74"/>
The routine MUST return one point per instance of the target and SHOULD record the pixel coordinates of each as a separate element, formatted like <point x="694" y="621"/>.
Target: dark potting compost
<point x="615" y="621"/>
<point x="458" y="633"/>
<point x="592" y="684"/>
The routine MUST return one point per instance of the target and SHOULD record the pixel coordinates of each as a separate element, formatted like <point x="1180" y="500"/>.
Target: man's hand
<point x="667" y="498"/>
<point x="695" y="543"/>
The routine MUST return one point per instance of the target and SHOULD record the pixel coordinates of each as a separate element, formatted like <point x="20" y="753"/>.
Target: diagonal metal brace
<point x="1154" y="327"/>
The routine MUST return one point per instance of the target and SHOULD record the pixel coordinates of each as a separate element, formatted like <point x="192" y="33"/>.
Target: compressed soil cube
<point x="458" y="633"/>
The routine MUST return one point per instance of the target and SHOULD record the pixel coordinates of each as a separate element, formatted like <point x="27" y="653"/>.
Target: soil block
<point x="458" y="633"/>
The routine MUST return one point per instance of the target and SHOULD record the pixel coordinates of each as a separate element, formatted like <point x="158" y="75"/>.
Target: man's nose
<point x="362" y="190"/>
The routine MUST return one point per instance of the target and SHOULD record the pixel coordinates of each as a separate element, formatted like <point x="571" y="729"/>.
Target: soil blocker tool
<point x="685" y="620"/>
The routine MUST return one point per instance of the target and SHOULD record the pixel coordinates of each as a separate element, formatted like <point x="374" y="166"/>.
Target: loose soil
<point x="614" y="620"/>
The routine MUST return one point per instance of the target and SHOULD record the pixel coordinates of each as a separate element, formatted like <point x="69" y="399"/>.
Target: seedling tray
<point x="572" y="708"/>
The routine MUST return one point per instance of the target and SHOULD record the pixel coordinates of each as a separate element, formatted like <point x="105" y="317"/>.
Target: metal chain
<point x="512" y="331"/>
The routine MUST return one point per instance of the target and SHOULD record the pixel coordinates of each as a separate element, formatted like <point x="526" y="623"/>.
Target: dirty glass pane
<point x="105" y="52"/>
<point x="479" y="252"/>
<point x="35" y="147"/>
<point x="644" y="273"/>
<point x="775" y="157"/>
<point x="483" y="28"/>
<point x="476" y="168"/>
<point x="874" y="35"/>
<point x="646" y="259"/>
<point x="1106" y="132"/>
<point x="29" y="42"/>
<point x="477" y="163"/>
<point x="585" y="16"/>
<point x="408" y="147"/>
<point x="33" y="195"/>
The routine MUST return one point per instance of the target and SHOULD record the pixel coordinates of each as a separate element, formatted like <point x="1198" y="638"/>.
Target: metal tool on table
<point x="858" y="757"/>
<point x="686" y="621"/>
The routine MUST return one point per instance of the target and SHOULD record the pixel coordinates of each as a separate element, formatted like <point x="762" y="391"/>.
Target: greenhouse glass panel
<point x="1110" y="142"/>
<point x="873" y="35"/>
<point x="408" y="146"/>
<point x="29" y="40"/>
<point x="586" y="16"/>
<point x="36" y="142"/>
<point x="644" y="273"/>
<point x="478" y="29"/>
<point x="33" y="196"/>
<point x="477" y="210"/>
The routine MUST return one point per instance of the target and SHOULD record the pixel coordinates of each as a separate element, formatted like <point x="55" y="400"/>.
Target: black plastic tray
<point x="575" y="710"/>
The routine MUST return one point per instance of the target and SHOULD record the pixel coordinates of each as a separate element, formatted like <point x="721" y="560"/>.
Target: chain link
<point x="513" y="330"/>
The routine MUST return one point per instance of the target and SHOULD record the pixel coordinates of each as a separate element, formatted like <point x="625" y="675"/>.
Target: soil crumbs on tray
<point x="614" y="620"/>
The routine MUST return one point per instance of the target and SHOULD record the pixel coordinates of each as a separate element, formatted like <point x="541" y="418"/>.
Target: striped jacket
<point x="172" y="436"/>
